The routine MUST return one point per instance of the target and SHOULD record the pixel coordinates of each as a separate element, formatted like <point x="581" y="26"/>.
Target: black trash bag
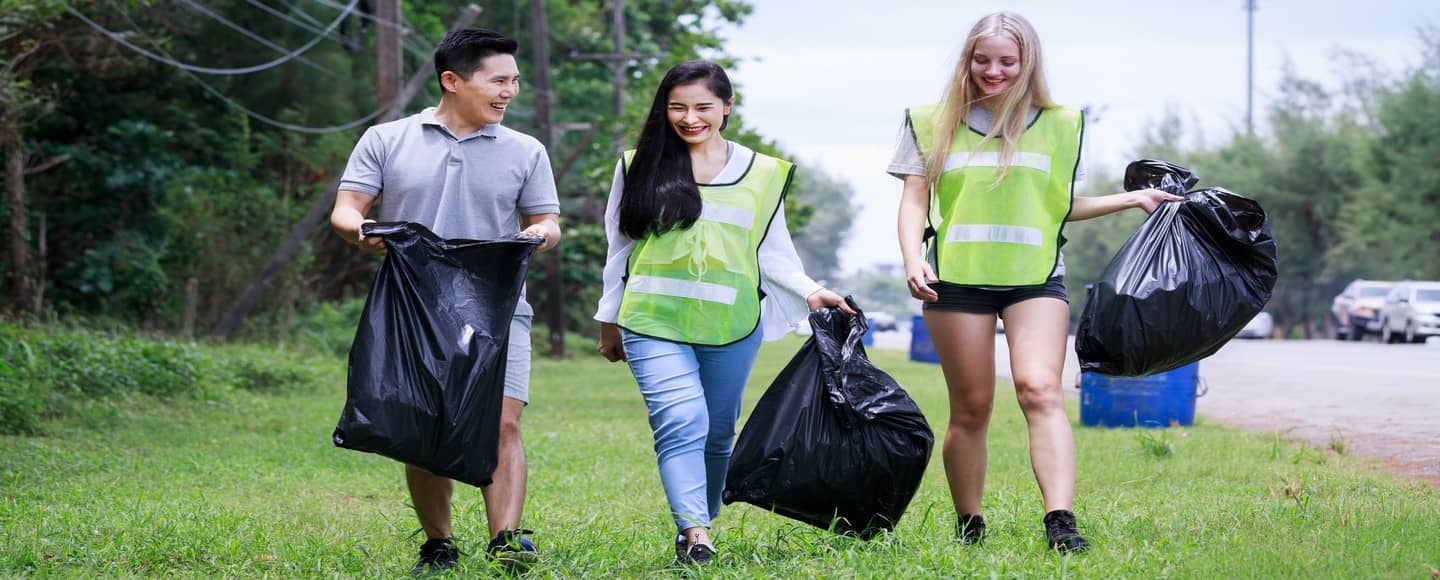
<point x="834" y="440"/>
<point x="427" y="368"/>
<point x="1162" y="175"/>
<point x="1190" y="278"/>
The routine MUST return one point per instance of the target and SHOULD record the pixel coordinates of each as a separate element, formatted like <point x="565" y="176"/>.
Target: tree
<point x="828" y="203"/>
<point x="26" y="35"/>
<point x="170" y="189"/>
<point x="1390" y="226"/>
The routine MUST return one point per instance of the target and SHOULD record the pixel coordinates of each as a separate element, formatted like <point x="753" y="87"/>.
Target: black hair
<point x="660" y="189"/>
<point x="464" y="51"/>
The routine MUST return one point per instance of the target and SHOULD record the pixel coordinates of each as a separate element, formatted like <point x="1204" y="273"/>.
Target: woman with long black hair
<point x="700" y="269"/>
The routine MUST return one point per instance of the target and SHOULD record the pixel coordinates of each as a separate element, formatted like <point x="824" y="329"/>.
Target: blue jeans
<point x="693" y="393"/>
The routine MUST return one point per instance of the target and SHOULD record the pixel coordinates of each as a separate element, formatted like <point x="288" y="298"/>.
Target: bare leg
<point x="430" y="494"/>
<point x="966" y="344"/>
<point x="505" y="496"/>
<point x="1036" y="330"/>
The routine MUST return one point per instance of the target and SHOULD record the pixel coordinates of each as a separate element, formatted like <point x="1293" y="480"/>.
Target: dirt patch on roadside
<point x="1405" y="458"/>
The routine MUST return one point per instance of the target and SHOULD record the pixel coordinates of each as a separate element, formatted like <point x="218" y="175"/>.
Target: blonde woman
<point x="991" y="169"/>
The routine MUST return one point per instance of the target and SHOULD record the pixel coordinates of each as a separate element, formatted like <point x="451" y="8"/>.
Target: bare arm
<point x="545" y="226"/>
<point x="914" y="206"/>
<point x="1084" y="208"/>
<point x="349" y="215"/>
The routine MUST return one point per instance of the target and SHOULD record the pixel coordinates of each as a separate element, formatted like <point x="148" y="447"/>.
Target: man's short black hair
<point x="463" y="51"/>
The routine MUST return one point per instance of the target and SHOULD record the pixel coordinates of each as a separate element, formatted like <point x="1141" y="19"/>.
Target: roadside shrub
<point x="165" y="369"/>
<point x="262" y="370"/>
<point x="97" y="366"/>
<point x="328" y="327"/>
<point x="20" y="403"/>
<point x="50" y="373"/>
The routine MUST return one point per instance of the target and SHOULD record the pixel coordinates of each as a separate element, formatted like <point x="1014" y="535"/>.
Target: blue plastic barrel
<point x="921" y="349"/>
<point x="868" y="339"/>
<point x="1157" y="400"/>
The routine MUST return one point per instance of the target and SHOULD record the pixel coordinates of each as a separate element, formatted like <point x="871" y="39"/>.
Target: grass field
<point x="249" y="485"/>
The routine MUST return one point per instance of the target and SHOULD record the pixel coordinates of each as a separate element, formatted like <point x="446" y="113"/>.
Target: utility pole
<point x="617" y="29"/>
<point x="388" y="66"/>
<point x="617" y="61"/>
<point x="554" y="283"/>
<point x="1250" y="66"/>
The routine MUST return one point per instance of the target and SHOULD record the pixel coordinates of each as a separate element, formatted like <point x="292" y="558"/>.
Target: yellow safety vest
<point x="1007" y="234"/>
<point x="701" y="285"/>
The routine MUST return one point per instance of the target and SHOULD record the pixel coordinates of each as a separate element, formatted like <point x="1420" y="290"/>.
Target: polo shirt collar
<point x="427" y="117"/>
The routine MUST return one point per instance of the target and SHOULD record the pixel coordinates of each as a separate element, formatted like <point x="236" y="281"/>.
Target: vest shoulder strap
<point x="922" y="124"/>
<point x="625" y="159"/>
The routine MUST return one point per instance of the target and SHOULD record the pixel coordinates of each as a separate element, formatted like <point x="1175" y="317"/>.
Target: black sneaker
<point x="970" y="529"/>
<point x="688" y="554"/>
<point x="681" y="547"/>
<point x="1060" y="527"/>
<point x="513" y="550"/>
<point x="436" y="555"/>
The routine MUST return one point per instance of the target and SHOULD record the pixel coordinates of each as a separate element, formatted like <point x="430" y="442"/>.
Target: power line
<point x="256" y="37"/>
<point x="297" y="10"/>
<point x="281" y="124"/>
<point x="370" y="17"/>
<point x="417" y="50"/>
<point x="119" y="39"/>
<point x="421" y="51"/>
<point x="345" y="42"/>
<point x="242" y="108"/>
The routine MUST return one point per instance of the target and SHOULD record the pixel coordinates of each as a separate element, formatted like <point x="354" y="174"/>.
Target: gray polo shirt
<point x="474" y="187"/>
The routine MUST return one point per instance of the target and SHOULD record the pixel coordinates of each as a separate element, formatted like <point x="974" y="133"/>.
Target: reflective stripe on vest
<point x="1005" y="234"/>
<point x="701" y="285"/>
<point x="681" y="288"/>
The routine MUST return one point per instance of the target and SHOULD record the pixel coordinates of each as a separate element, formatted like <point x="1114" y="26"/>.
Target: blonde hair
<point x="1029" y="90"/>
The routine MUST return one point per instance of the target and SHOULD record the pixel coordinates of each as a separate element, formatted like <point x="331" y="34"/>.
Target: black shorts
<point x="956" y="298"/>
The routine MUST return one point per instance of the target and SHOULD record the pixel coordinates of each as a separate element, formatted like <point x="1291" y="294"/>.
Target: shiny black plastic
<point x="834" y="440"/>
<point x="1190" y="278"/>
<point x="1162" y="175"/>
<point x="427" y="368"/>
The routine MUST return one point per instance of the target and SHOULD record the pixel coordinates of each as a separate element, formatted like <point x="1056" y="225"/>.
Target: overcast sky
<point x="830" y="79"/>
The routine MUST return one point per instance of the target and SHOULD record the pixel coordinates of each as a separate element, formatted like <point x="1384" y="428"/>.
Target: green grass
<point x="248" y="484"/>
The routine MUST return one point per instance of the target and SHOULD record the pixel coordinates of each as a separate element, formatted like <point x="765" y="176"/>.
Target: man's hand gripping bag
<point x="427" y="368"/>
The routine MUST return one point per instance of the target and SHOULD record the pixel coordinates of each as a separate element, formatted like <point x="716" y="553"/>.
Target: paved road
<point x="1381" y="400"/>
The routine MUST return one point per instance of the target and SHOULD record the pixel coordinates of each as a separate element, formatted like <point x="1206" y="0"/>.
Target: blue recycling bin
<point x="868" y="339"/>
<point x="1156" y="401"/>
<point x="921" y="349"/>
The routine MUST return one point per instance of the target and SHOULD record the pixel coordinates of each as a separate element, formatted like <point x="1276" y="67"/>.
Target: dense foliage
<point x="144" y="193"/>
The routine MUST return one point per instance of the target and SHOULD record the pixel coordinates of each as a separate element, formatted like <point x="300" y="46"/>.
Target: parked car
<point x="1411" y="312"/>
<point x="882" y="322"/>
<point x="1354" y="311"/>
<point x="1262" y="326"/>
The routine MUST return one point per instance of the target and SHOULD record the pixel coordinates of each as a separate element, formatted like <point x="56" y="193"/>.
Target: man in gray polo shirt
<point x="454" y="169"/>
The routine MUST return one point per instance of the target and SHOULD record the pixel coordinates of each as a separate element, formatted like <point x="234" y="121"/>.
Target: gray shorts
<point x="517" y="362"/>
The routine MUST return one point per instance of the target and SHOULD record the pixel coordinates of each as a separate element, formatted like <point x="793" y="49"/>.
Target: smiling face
<point x="995" y="65"/>
<point x="696" y="113"/>
<point x="482" y="98"/>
